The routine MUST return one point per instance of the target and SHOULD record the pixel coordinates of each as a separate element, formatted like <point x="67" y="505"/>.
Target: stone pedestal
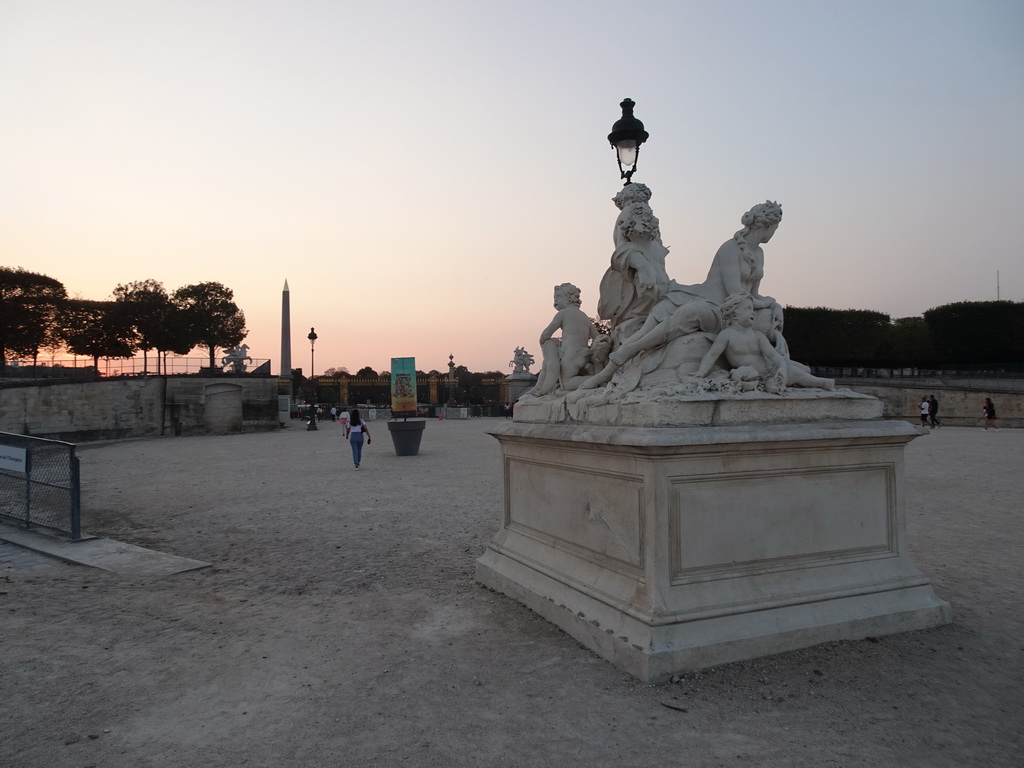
<point x="671" y="549"/>
<point x="518" y="383"/>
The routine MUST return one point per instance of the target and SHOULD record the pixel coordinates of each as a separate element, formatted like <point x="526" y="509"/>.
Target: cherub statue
<point x="750" y="357"/>
<point x="581" y="351"/>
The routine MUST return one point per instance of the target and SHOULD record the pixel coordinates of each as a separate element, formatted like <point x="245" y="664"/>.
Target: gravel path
<point x="340" y="625"/>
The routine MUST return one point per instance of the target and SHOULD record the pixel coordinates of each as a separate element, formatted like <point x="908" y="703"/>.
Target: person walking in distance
<point x="354" y="431"/>
<point x="933" y="411"/>
<point x="988" y="410"/>
<point x="925" y="407"/>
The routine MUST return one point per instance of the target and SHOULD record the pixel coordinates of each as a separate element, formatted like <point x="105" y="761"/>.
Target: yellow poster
<point x="403" y="386"/>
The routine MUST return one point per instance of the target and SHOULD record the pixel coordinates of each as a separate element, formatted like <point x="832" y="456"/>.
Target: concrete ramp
<point x="105" y="554"/>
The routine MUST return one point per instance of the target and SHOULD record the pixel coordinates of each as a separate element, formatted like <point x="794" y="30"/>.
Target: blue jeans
<point x="356" y="439"/>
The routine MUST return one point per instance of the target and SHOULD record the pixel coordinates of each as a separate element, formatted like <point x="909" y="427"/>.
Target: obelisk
<point x="284" y="377"/>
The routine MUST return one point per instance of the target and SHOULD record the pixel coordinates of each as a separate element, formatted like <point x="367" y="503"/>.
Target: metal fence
<point x="1006" y="379"/>
<point x="40" y="484"/>
<point x="435" y="411"/>
<point x="81" y="367"/>
<point x="1009" y="371"/>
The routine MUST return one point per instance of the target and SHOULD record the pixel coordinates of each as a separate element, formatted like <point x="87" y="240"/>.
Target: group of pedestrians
<point x="930" y="413"/>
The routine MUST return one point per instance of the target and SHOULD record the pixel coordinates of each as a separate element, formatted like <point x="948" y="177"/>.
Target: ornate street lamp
<point x="311" y="427"/>
<point x="312" y="340"/>
<point x="626" y="137"/>
<point x="451" y="377"/>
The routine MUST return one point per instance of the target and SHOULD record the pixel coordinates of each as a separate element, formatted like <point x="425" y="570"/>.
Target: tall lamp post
<point x="626" y="137"/>
<point x="312" y="341"/>
<point x="451" y="377"/>
<point x="312" y="427"/>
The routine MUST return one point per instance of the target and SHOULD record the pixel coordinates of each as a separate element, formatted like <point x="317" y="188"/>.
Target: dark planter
<point x="406" y="436"/>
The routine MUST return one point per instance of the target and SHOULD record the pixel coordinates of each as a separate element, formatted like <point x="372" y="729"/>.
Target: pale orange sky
<point x="423" y="174"/>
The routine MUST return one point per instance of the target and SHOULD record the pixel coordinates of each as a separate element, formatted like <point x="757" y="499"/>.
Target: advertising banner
<point x="403" y="386"/>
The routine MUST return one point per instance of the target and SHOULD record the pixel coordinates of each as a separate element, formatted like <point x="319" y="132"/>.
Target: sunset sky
<point x="423" y="173"/>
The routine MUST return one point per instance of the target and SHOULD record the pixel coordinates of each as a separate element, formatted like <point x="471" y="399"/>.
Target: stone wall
<point x="160" y="405"/>
<point x="959" y="406"/>
<point x="140" y="407"/>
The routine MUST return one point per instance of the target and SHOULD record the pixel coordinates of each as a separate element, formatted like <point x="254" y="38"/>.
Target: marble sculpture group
<point x="666" y="340"/>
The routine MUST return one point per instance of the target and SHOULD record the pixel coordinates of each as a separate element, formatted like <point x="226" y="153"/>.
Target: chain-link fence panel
<point x="39" y="483"/>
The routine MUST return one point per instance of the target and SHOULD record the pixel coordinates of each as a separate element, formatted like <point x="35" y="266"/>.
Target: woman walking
<point x="988" y="410"/>
<point x="354" y="431"/>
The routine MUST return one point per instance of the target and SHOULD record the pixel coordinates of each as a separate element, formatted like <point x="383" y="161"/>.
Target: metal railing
<point x="73" y="368"/>
<point x="979" y="379"/>
<point x="1008" y="371"/>
<point x="40" y="484"/>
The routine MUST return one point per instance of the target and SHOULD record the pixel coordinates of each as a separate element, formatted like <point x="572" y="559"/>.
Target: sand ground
<point x="339" y="625"/>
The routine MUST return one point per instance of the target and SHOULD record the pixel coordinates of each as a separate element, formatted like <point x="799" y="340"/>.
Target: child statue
<point x="750" y="356"/>
<point x="569" y="360"/>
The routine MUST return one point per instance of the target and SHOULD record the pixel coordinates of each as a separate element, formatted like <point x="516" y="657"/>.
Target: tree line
<point x="966" y="333"/>
<point x="36" y="314"/>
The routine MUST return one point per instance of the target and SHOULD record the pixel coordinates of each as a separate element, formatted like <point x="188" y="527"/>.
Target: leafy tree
<point x="95" y="329"/>
<point x="367" y="371"/>
<point x="28" y="310"/>
<point x="908" y="343"/>
<point x="211" y="316"/>
<point x="823" y="336"/>
<point x="341" y="370"/>
<point x="143" y="305"/>
<point x="175" y="335"/>
<point x="978" y="331"/>
<point x="156" y="320"/>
